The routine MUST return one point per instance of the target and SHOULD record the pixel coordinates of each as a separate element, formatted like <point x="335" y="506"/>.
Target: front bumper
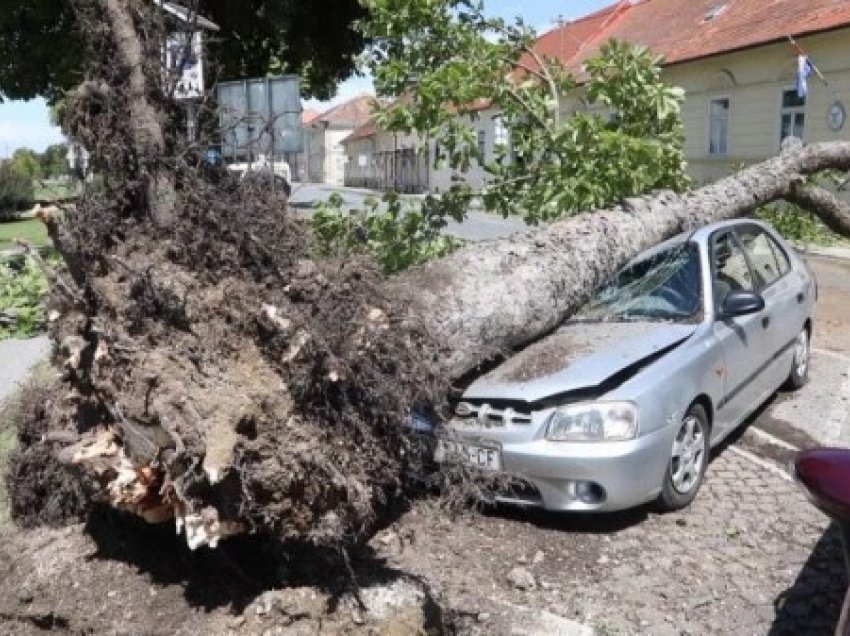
<point x="626" y="474"/>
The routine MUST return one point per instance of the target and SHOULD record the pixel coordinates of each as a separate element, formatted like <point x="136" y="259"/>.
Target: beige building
<point x="323" y="135"/>
<point x="736" y="59"/>
<point x="383" y="160"/>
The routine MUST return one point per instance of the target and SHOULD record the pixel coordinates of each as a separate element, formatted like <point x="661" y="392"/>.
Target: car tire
<point x="688" y="461"/>
<point x="799" y="374"/>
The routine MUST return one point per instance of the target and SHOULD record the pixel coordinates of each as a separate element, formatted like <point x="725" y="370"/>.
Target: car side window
<point x="766" y="268"/>
<point x="781" y="257"/>
<point x="731" y="270"/>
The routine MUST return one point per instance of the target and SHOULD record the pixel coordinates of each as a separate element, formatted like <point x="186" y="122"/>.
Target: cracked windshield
<point x="663" y="286"/>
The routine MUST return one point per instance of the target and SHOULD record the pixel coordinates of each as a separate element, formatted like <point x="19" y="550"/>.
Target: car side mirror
<point x="741" y="303"/>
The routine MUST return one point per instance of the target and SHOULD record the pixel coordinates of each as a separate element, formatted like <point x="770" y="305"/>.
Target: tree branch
<point x="834" y="212"/>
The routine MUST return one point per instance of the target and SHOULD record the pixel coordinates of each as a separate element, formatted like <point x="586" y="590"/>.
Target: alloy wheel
<point x="688" y="455"/>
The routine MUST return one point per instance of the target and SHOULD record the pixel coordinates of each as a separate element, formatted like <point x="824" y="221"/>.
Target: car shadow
<point x="593" y="523"/>
<point x="812" y="604"/>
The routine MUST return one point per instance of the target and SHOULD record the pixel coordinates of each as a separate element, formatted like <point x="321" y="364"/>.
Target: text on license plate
<point x="486" y="458"/>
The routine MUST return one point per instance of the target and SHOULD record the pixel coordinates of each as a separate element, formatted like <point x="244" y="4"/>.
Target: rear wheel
<point x="688" y="461"/>
<point x="799" y="374"/>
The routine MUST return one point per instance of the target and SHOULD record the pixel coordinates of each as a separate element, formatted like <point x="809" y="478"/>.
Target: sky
<point x="27" y="124"/>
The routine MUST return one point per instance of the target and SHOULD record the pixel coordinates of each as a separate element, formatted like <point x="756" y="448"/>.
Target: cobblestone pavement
<point x="749" y="556"/>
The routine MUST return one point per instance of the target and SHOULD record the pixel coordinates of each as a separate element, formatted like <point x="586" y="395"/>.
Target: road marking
<point x="776" y="470"/>
<point x="835" y="423"/>
<point x="772" y="439"/>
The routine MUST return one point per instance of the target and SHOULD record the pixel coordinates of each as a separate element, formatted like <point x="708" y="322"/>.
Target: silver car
<point x="623" y="403"/>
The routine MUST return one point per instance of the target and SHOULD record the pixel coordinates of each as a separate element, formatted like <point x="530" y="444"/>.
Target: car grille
<point x="489" y="416"/>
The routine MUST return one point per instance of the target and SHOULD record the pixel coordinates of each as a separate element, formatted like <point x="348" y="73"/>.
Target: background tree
<point x="553" y="162"/>
<point x="54" y="161"/>
<point x="16" y="190"/>
<point x="28" y="162"/>
<point x="43" y="51"/>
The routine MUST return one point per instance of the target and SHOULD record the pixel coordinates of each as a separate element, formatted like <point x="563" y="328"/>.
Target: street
<point x="478" y="226"/>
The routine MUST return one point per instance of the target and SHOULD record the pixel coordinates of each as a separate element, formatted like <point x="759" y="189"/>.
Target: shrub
<point x="16" y="190"/>
<point x="23" y="297"/>
<point x="397" y="238"/>
<point x="796" y="224"/>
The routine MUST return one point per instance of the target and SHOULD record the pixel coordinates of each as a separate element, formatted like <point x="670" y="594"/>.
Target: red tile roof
<point x="565" y="42"/>
<point x="351" y="114"/>
<point x="309" y="115"/>
<point x="362" y="132"/>
<point x="682" y="30"/>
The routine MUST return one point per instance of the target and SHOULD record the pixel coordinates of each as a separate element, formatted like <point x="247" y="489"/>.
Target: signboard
<point x="260" y="116"/>
<point x="184" y="64"/>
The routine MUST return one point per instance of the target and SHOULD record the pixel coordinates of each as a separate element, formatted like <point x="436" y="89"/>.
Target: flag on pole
<point x="804" y="69"/>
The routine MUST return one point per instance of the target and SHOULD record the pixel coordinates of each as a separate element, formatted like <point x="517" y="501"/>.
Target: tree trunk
<point x="278" y="408"/>
<point x="144" y="122"/>
<point x="497" y="296"/>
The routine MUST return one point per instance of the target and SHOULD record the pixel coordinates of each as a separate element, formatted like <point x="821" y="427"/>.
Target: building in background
<point x="325" y="155"/>
<point x="745" y="65"/>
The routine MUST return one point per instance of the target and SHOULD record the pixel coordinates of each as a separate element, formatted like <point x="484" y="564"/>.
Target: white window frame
<point x="791" y="111"/>
<point x="481" y="139"/>
<point x="711" y="101"/>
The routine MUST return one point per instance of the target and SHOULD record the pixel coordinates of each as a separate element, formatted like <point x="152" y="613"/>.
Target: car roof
<point x="702" y="234"/>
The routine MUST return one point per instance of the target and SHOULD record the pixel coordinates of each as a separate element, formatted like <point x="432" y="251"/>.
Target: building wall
<point x="441" y="179"/>
<point x="325" y="154"/>
<point x="753" y="82"/>
<point x="315" y="150"/>
<point x="335" y="158"/>
<point x="395" y="161"/>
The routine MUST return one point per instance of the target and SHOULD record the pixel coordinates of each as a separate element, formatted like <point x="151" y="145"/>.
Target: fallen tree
<point x="215" y="374"/>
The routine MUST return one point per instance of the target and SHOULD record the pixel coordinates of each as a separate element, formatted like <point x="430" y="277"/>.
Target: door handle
<point x="765" y="322"/>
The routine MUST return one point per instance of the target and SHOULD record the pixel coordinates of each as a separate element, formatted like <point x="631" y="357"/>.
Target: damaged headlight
<point x="593" y="422"/>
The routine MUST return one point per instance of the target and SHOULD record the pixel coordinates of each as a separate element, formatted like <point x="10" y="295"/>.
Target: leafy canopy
<point x="570" y="143"/>
<point x="42" y="54"/>
<point x="395" y="235"/>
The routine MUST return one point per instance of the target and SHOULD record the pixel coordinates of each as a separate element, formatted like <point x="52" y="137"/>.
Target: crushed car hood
<point x="580" y="355"/>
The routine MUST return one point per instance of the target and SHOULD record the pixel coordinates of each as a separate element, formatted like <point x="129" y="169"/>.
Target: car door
<point x="745" y="340"/>
<point x="781" y="293"/>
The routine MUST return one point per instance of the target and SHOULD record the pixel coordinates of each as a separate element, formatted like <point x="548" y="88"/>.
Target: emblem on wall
<point x="836" y="116"/>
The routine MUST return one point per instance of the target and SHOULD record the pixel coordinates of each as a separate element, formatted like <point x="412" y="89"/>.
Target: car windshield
<point x="663" y="286"/>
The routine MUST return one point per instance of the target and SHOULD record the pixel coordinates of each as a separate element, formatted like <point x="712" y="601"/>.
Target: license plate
<point x="478" y="456"/>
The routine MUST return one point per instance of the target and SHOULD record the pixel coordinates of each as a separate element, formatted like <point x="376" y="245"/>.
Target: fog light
<point x="589" y="492"/>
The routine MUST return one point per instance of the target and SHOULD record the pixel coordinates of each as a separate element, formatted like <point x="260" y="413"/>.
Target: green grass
<point x="30" y="230"/>
<point x="52" y="190"/>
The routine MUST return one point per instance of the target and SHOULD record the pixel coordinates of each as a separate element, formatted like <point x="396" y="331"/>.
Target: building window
<point x="792" y="121"/>
<point x="718" y="127"/>
<point x="500" y="132"/>
<point x="482" y="145"/>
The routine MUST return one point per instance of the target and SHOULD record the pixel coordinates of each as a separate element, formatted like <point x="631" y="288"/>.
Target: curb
<point x="836" y="253"/>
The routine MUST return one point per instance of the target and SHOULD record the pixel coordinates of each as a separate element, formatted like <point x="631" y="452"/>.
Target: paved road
<point x="17" y="357"/>
<point x="478" y="226"/>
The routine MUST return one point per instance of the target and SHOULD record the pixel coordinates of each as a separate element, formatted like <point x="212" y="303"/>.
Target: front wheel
<point x="799" y="374"/>
<point x="688" y="461"/>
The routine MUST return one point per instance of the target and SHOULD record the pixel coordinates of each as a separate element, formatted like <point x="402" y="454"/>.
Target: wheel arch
<point x="705" y="402"/>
